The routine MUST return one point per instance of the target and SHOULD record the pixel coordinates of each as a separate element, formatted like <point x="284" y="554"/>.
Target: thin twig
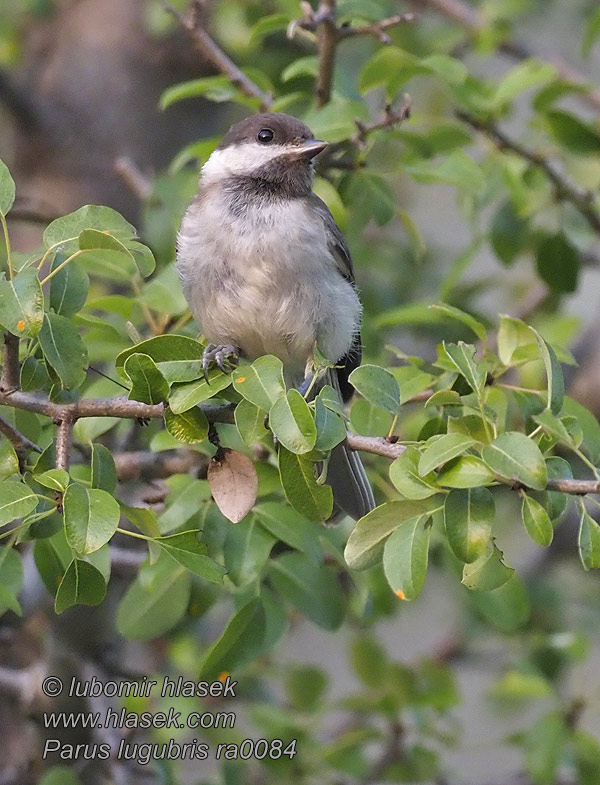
<point x="474" y="23"/>
<point x="213" y="54"/>
<point x="134" y="178"/>
<point x="376" y="29"/>
<point x="11" y="370"/>
<point x="19" y="441"/>
<point x="565" y="190"/>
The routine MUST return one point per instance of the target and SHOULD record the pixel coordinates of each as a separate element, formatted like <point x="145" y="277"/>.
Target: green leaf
<point x="181" y="370"/>
<point x="192" y="554"/>
<point x="455" y="313"/>
<point x="189" y="427"/>
<point x="536" y="521"/>
<point x="56" y="479"/>
<point x="558" y="263"/>
<point x="34" y="375"/>
<point x="301" y="489"/>
<point x="246" y="550"/>
<point x="156" y="600"/>
<point x="59" y="775"/>
<point x="103" y="219"/>
<point x="528" y="74"/>
<point x="589" y="426"/>
<point x="9" y="463"/>
<point x="462" y="357"/>
<point x="91" y="517"/>
<point x="468" y="518"/>
<point x="457" y="169"/>
<point x="513" y="333"/>
<point x="69" y="287"/>
<point x="164" y="349"/>
<point x="7" y="189"/>
<point x="589" y="541"/>
<point x="488" y="572"/>
<point x="16" y="501"/>
<point x="22" y="304"/>
<point x="186" y="396"/>
<point x="331" y="428"/>
<point x="516" y="458"/>
<point x="509" y="233"/>
<point x="405" y="557"/>
<point x="262" y="382"/>
<point x="440" y="450"/>
<point x="187" y="496"/>
<point x="144" y="259"/>
<point x="465" y="472"/>
<point x="142" y="517"/>
<point x="572" y="133"/>
<point x="82" y="584"/>
<point x="148" y="385"/>
<point x="284" y="523"/>
<point x="292" y="422"/>
<point x="104" y="471"/>
<point x="11" y="579"/>
<point x="241" y="641"/>
<point x="266" y="25"/>
<point x="405" y="475"/>
<point x="64" y="350"/>
<point x="378" y="386"/>
<point x="506" y="608"/>
<point x="301" y="66"/>
<point x="366" y="542"/>
<point x="313" y="589"/>
<point x="586" y="749"/>
<point x="373" y="195"/>
<point x="554" y="374"/>
<point x="250" y="422"/>
<point x="543" y="743"/>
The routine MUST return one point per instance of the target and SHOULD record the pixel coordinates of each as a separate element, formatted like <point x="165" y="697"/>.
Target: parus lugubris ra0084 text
<point x="266" y="270"/>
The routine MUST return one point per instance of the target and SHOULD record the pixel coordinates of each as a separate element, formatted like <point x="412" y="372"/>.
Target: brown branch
<point x="378" y="445"/>
<point x="327" y="40"/>
<point x="474" y="23"/>
<point x="376" y="29"/>
<point x="565" y="190"/>
<point x="20" y="442"/>
<point x="32" y="211"/>
<point x="214" y="55"/>
<point x="142" y="464"/>
<point x="64" y="437"/>
<point x="11" y="370"/>
<point x="134" y="178"/>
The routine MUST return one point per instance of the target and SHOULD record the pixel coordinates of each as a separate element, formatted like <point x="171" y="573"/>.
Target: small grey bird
<point x="266" y="270"/>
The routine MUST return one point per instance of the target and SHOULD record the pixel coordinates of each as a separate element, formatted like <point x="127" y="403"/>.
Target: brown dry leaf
<point x="233" y="483"/>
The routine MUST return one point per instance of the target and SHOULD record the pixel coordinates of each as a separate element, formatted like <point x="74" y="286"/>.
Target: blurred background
<point x="478" y="687"/>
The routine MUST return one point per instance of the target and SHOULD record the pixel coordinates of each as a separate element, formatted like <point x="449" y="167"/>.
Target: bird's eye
<point x="265" y="135"/>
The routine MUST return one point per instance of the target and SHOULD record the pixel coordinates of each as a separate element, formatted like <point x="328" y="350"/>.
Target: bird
<point x="266" y="270"/>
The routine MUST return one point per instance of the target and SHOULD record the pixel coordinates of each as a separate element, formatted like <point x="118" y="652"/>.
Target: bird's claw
<point x="225" y="358"/>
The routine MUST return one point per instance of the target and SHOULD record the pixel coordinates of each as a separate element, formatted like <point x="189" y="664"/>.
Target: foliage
<point x="481" y="433"/>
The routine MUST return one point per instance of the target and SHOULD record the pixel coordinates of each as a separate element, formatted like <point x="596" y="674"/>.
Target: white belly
<point x="266" y="282"/>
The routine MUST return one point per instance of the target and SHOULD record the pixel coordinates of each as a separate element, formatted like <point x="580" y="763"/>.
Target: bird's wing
<point x="341" y="253"/>
<point x="335" y="239"/>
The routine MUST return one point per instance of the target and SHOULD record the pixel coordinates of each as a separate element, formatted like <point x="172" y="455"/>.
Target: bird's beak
<point x="310" y="148"/>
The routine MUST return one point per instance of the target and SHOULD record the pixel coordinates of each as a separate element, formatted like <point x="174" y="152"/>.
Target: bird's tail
<point x="352" y="492"/>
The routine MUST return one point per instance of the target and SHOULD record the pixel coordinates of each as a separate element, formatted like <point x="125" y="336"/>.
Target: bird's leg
<point x="225" y="357"/>
<point x="305" y="386"/>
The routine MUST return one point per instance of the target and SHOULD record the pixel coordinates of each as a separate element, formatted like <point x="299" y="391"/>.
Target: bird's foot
<point x="224" y="357"/>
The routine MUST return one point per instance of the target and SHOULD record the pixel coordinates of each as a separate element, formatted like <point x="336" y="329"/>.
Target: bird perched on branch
<point x="266" y="270"/>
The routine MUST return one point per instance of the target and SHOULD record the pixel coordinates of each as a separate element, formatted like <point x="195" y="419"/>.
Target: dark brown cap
<point x="286" y="129"/>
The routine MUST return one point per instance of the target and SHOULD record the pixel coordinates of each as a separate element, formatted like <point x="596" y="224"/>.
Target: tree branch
<point x="474" y="23"/>
<point x="64" y="436"/>
<point x="143" y="464"/>
<point x="11" y="370"/>
<point x="327" y="41"/>
<point x="379" y="445"/>
<point x="20" y="442"/>
<point x="214" y="55"/>
<point x="376" y="29"/>
<point x="565" y="190"/>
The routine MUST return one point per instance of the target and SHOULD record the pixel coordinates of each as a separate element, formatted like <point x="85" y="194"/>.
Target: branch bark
<point x="11" y="370"/>
<point x="327" y="41"/>
<point x="214" y="55"/>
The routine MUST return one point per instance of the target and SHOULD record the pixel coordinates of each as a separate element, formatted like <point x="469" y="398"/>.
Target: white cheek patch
<point x="240" y="159"/>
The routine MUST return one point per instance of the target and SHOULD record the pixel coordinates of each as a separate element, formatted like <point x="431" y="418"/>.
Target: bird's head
<point x="273" y="149"/>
